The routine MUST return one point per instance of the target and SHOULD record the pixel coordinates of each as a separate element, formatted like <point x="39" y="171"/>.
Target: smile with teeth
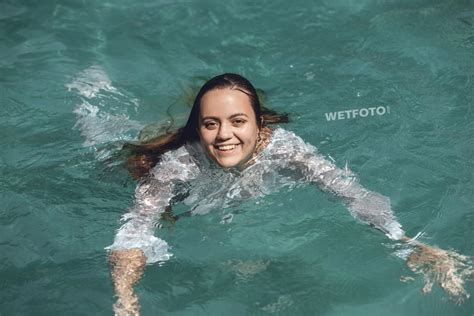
<point x="226" y="147"/>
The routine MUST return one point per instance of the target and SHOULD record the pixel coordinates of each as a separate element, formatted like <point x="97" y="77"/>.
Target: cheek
<point x="205" y="136"/>
<point x="251" y="135"/>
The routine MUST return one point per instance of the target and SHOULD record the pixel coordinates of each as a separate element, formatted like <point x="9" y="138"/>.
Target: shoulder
<point x="175" y="164"/>
<point x="280" y="134"/>
<point x="285" y="141"/>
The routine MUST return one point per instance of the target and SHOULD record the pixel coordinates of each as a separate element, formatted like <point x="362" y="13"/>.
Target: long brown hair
<point x="144" y="156"/>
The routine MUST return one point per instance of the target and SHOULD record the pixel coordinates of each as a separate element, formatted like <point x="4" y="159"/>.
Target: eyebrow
<point x="230" y="117"/>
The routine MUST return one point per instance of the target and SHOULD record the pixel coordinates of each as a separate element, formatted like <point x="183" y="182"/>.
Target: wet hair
<point x="144" y="156"/>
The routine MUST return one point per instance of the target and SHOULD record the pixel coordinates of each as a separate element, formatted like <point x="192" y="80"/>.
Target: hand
<point x="447" y="268"/>
<point x="127" y="305"/>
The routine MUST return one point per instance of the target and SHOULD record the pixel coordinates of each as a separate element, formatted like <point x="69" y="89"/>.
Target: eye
<point x="210" y="125"/>
<point x="239" y="122"/>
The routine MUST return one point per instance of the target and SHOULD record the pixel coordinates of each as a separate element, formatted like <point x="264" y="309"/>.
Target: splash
<point x="95" y="123"/>
<point x="89" y="82"/>
<point x="98" y="127"/>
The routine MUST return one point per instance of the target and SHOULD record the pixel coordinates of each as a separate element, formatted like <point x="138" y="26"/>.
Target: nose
<point x="225" y="132"/>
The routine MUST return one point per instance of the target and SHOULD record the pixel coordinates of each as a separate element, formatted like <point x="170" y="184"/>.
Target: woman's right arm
<point x="135" y="244"/>
<point x="126" y="267"/>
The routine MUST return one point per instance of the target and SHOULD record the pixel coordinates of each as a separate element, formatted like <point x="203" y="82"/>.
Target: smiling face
<point x="227" y="127"/>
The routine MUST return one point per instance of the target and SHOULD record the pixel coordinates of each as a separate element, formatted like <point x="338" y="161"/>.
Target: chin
<point x="231" y="161"/>
<point x="228" y="164"/>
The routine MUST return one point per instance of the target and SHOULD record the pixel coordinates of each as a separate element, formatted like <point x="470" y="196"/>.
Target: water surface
<point x="79" y="78"/>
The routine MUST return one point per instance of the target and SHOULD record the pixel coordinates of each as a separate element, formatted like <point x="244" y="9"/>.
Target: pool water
<point x="78" y="78"/>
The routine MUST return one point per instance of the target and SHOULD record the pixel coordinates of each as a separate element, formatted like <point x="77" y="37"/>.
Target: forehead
<point x="225" y="102"/>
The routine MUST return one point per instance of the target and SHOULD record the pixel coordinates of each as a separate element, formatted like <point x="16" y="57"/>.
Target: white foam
<point x="90" y="81"/>
<point x="97" y="93"/>
<point x="99" y="127"/>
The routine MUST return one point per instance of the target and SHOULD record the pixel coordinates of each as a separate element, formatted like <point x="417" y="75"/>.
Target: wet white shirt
<point x="285" y="162"/>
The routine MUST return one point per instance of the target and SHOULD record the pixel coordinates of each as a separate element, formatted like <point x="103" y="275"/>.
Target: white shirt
<point x="202" y="185"/>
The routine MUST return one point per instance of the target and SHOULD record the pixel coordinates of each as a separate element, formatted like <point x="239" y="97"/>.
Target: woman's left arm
<point x="367" y="206"/>
<point x="446" y="268"/>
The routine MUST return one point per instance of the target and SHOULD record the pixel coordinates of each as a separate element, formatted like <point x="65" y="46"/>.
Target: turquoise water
<point x="79" y="77"/>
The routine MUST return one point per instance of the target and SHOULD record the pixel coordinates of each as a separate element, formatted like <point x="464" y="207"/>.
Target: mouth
<point x="226" y="148"/>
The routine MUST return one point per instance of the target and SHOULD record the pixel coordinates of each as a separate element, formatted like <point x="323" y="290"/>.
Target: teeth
<point x="227" y="147"/>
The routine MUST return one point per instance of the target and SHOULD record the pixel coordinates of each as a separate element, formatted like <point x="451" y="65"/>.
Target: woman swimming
<point x="227" y="153"/>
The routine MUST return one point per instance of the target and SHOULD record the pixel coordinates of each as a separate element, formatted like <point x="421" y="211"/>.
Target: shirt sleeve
<point x="152" y="196"/>
<point x="369" y="207"/>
